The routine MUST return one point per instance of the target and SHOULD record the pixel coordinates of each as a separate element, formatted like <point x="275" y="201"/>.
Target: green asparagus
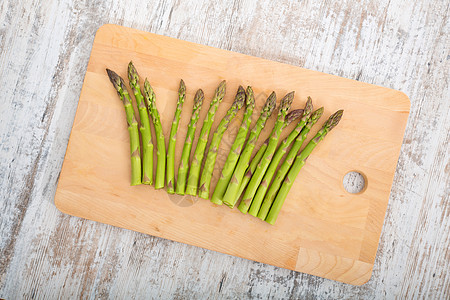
<point x="255" y="161"/>
<point x="150" y="97"/>
<point x="146" y="134"/>
<point x="235" y="150"/>
<point x="205" y="179"/>
<point x="230" y="197"/>
<point x="194" y="172"/>
<point x="284" y="168"/>
<point x="268" y="154"/>
<point x="298" y="164"/>
<point x="173" y="138"/>
<point x="184" y="164"/>
<point x="282" y="149"/>
<point x="135" y="149"/>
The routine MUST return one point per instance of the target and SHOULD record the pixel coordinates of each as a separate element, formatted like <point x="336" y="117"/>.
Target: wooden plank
<point x="94" y="181"/>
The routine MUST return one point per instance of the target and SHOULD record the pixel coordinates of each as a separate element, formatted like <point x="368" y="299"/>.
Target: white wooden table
<point x="44" y="50"/>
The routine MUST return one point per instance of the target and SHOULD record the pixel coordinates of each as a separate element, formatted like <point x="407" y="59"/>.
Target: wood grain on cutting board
<point x="322" y="229"/>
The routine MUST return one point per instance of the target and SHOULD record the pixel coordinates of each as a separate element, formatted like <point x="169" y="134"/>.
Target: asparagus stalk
<point x="184" y="164"/>
<point x="282" y="149"/>
<point x="236" y="149"/>
<point x="299" y="163"/>
<point x="205" y="179"/>
<point x="173" y="138"/>
<point x="230" y="197"/>
<point x="194" y="172"/>
<point x="255" y="161"/>
<point x="268" y="154"/>
<point x="284" y="168"/>
<point x="150" y="97"/>
<point x="135" y="149"/>
<point x="251" y="168"/>
<point x="146" y="134"/>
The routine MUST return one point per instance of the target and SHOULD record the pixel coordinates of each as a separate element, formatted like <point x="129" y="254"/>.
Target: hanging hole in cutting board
<point x="355" y="182"/>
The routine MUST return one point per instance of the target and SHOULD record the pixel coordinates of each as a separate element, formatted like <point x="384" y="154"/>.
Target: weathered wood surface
<point x="45" y="47"/>
<point x="96" y="171"/>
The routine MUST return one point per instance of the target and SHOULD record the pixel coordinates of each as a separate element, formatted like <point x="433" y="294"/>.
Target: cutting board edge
<point x="357" y="281"/>
<point x="403" y="95"/>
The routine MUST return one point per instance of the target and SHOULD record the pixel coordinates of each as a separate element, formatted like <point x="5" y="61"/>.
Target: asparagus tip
<point x="334" y="119"/>
<point x="133" y="75"/>
<point x="286" y="101"/>
<point x="147" y="85"/>
<point x="317" y="114"/>
<point x="199" y="96"/>
<point x="220" y="91"/>
<point x="112" y="75"/>
<point x="292" y="115"/>
<point x="148" y="90"/>
<point x="270" y="103"/>
<point x="182" y="89"/>
<point x="116" y="80"/>
<point x="238" y="100"/>
<point x="249" y="97"/>
<point x="308" y="107"/>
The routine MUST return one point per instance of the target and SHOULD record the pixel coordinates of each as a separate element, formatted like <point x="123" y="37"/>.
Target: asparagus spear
<point x="205" y="179"/>
<point x="184" y="164"/>
<point x="282" y="149"/>
<point x="135" y="149"/>
<point x="274" y="187"/>
<point x="255" y="161"/>
<point x="146" y="134"/>
<point x="298" y="164"/>
<point x="194" y="172"/>
<point x="268" y="154"/>
<point x="173" y="139"/>
<point x="229" y="198"/>
<point x="150" y="97"/>
<point x="235" y="150"/>
<point x="251" y="168"/>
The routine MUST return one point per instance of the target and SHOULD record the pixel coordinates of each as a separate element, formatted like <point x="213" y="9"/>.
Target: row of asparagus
<point x="264" y="189"/>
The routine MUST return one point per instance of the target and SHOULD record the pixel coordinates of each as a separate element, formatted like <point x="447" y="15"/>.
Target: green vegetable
<point x="285" y="166"/>
<point x="231" y="195"/>
<point x="150" y="98"/>
<point x="282" y="149"/>
<point x="194" y="172"/>
<point x="268" y="154"/>
<point x="173" y="139"/>
<point x="146" y="134"/>
<point x="135" y="149"/>
<point x="236" y="149"/>
<point x="205" y="180"/>
<point x="184" y="164"/>
<point x="298" y="164"/>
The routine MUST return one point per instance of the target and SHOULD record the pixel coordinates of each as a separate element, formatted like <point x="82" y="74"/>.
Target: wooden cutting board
<point x="322" y="230"/>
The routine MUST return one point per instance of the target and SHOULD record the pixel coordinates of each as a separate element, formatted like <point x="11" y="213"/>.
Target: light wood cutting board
<point x="322" y="230"/>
